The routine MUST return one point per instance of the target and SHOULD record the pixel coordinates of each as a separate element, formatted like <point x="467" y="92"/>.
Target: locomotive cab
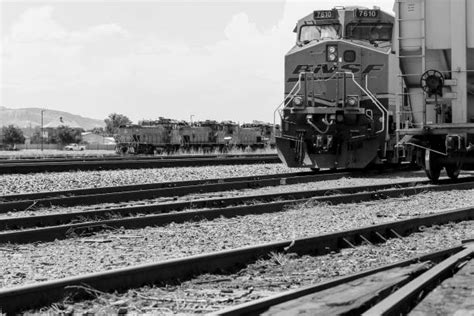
<point x="337" y="111"/>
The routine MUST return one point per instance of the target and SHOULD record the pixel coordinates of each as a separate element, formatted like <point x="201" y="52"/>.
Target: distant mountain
<point x="26" y="117"/>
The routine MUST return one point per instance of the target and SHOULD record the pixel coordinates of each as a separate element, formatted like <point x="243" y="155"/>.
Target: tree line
<point x="65" y="135"/>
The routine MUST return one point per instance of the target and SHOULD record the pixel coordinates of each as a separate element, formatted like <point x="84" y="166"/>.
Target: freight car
<point x="339" y="106"/>
<point x="148" y="137"/>
<point x="207" y="136"/>
<point x="253" y="135"/>
<point x="167" y="136"/>
<point x="435" y="47"/>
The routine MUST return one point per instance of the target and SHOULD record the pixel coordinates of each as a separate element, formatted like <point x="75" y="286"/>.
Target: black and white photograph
<point x="237" y="157"/>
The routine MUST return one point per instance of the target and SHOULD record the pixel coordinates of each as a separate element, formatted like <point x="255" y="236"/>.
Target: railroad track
<point x="115" y="194"/>
<point x="16" y="299"/>
<point x="120" y="158"/>
<point x="63" y="225"/>
<point x="394" y="289"/>
<point x="9" y="167"/>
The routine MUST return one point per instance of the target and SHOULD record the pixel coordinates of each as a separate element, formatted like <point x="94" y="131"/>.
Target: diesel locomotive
<point x="363" y="87"/>
<point x="338" y="110"/>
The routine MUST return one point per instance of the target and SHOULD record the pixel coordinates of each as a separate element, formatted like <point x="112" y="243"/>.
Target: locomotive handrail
<point x="372" y="98"/>
<point x="287" y="100"/>
<point x="387" y="137"/>
<point x="297" y="87"/>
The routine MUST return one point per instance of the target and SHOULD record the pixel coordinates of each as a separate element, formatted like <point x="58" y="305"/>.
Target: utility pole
<point x="42" y="131"/>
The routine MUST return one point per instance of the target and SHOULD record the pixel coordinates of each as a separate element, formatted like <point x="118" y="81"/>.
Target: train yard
<point x="363" y="233"/>
<point x="229" y="234"/>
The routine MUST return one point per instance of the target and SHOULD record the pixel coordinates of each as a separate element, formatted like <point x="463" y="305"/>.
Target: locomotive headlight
<point x="298" y="101"/>
<point x="331" y="53"/>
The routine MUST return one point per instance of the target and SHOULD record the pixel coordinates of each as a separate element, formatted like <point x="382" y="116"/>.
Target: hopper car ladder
<point x="403" y="86"/>
<point x="420" y="57"/>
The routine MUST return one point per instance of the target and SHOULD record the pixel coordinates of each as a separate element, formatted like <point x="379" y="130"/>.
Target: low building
<point x="50" y="130"/>
<point x="92" y="138"/>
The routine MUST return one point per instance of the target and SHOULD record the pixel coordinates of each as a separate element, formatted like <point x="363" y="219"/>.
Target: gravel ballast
<point x="318" y="185"/>
<point x="58" y="181"/>
<point x="280" y="273"/>
<point x="21" y="264"/>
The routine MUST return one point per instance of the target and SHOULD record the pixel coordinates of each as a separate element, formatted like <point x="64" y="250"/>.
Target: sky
<point x="218" y="60"/>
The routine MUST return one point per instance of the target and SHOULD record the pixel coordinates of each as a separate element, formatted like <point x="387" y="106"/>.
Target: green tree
<point x="98" y="130"/>
<point x="12" y="135"/>
<point x="67" y="135"/>
<point x="114" y="120"/>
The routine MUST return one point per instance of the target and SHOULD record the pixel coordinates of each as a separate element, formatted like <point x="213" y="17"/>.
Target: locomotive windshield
<point x="369" y="32"/>
<point x="310" y="33"/>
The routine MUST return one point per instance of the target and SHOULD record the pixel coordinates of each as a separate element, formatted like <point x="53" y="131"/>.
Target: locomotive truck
<point x="362" y="87"/>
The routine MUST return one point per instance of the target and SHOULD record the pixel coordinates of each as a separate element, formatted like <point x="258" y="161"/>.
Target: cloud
<point x="38" y="24"/>
<point x="106" y="68"/>
<point x="97" y="33"/>
<point x="42" y="55"/>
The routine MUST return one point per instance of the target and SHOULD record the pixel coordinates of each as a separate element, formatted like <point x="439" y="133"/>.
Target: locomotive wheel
<point x="432" y="166"/>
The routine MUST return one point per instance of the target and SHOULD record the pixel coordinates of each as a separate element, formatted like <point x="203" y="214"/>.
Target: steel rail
<point x="122" y="158"/>
<point x="16" y="299"/>
<point x="352" y="194"/>
<point x="400" y="301"/>
<point x="346" y="195"/>
<point x="323" y="175"/>
<point x="31" y="167"/>
<point x="259" y="306"/>
<point x="10" y="203"/>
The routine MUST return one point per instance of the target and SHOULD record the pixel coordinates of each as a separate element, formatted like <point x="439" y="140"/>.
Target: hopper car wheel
<point x="432" y="166"/>
<point x="453" y="170"/>
<point x="123" y="150"/>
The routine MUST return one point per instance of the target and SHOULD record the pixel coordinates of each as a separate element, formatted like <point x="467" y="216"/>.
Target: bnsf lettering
<point x="326" y="69"/>
<point x="303" y="68"/>
<point x="354" y="68"/>
<point x="372" y="68"/>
